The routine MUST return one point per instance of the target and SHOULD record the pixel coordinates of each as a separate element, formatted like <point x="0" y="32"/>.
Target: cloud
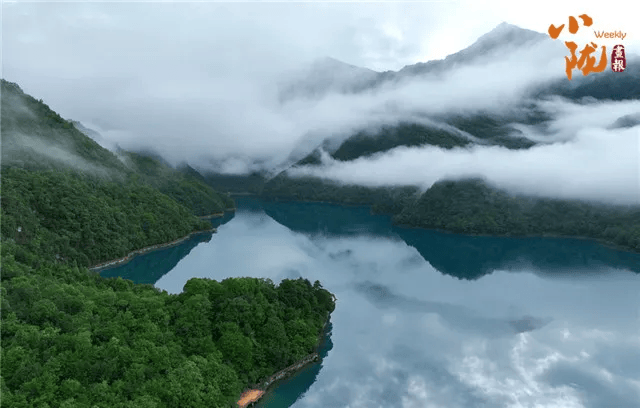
<point x="19" y="147"/>
<point x="38" y="146"/>
<point x="197" y="81"/>
<point x="583" y="159"/>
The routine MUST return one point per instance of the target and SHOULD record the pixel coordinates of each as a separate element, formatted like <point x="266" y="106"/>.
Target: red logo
<point x="618" y="59"/>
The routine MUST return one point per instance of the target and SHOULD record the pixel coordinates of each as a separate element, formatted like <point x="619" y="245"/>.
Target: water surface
<point x="430" y="319"/>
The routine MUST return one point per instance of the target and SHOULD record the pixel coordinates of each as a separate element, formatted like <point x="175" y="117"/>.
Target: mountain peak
<point x="332" y="64"/>
<point x="505" y="34"/>
<point x="325" y="75"/>
<point x="504" y="26"/>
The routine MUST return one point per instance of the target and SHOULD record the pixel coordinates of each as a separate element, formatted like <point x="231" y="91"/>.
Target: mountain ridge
<point x="476" y="206"/>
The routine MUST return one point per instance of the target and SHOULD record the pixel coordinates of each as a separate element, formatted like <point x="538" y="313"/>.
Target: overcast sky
<point x="378" y="35"/>
<point x="196" y="81"/>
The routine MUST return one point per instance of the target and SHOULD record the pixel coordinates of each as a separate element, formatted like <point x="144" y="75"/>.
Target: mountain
<point x="323" y="76"/>
<point x="36" y="137"/>
<point x="457" y="129"/>
<point x="607" y="85"/>
<point x="65" y="195"/>
<point x="466" y="206"/>
<point x="330" y="75"/>
<point x="498" y="42"/>
<point x="88" y="132"/>
<point x="185" y="184"/>
<point x="447" y="131"/>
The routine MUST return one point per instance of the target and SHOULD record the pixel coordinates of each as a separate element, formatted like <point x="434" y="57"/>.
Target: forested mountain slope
<point x="73" y="338"/>
<point x="185" y="185"/>
<point x="35" y="137"/>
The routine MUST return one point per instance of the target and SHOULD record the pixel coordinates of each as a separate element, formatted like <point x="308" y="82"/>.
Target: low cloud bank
<point x="19" y="147"/>
<point x="583" y="159"/>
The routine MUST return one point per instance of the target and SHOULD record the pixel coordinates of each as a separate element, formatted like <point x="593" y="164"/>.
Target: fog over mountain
<point x="589" y="161"/>
<point x="260" y="103"/>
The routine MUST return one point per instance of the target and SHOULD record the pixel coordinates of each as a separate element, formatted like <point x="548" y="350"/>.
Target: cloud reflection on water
<point x="406" y="335"/>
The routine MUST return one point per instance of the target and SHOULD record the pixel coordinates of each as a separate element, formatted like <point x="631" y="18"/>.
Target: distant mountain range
<point x="466" y="206"/>
<point x="331" y="75"/>
<point x="451" y="130"/>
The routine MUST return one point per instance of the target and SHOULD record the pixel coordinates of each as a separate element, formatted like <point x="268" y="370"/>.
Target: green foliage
<point x="61" y="215"/>
<point x="405" y="134"/>
<point x="73" y="338"/>
<point x="36" y="137"/>
<point x="473" y="207"/>
<point x="185" y="185"/>
<point x="383" y="199"/>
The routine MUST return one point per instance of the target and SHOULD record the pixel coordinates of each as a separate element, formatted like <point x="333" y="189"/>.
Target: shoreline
<point x="252" y="395"/>
<point x="125" y="259"/>
<point x="599" y="241"/>
<point x="210" y="216"/>
<point x="121" y="261"/>
<point x="216" y="215"/>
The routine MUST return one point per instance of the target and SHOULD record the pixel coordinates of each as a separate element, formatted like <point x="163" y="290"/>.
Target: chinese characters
<point x="618" y="59"/>
<point x="586" y="63"/>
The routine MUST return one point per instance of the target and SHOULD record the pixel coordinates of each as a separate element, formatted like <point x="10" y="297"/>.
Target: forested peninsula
<point x="73" y="338"/>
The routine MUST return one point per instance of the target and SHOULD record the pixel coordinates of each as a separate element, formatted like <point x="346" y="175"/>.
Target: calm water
<point x="428" y="319"/>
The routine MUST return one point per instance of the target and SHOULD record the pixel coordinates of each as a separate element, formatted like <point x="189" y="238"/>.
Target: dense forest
<point x="365" y="144"/>
<point x="185" y="184"/>
<point x="474" y="207"/>
<point x="468" y="206"/>
<point x="63" y="215"/>
<point x="35" y="137"/>
<point x="70" y="337"/>
<point x="383" y="200"/>
<point x="484" y="128"/>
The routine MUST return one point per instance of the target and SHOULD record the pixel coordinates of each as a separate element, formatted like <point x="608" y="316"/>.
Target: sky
<point x="199" y="82"/>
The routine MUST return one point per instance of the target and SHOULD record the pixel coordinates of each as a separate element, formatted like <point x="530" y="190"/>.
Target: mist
<point x="581" y="158"/>
<point x="201" y="83"/>
<point x="17" y="147"/>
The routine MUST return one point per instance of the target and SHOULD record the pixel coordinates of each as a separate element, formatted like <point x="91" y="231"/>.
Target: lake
<point x="431" y="319"/>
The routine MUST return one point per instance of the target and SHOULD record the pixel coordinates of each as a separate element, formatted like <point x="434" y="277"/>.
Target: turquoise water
<point x="151" y="267"/>
<point x="430" y="319"/>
